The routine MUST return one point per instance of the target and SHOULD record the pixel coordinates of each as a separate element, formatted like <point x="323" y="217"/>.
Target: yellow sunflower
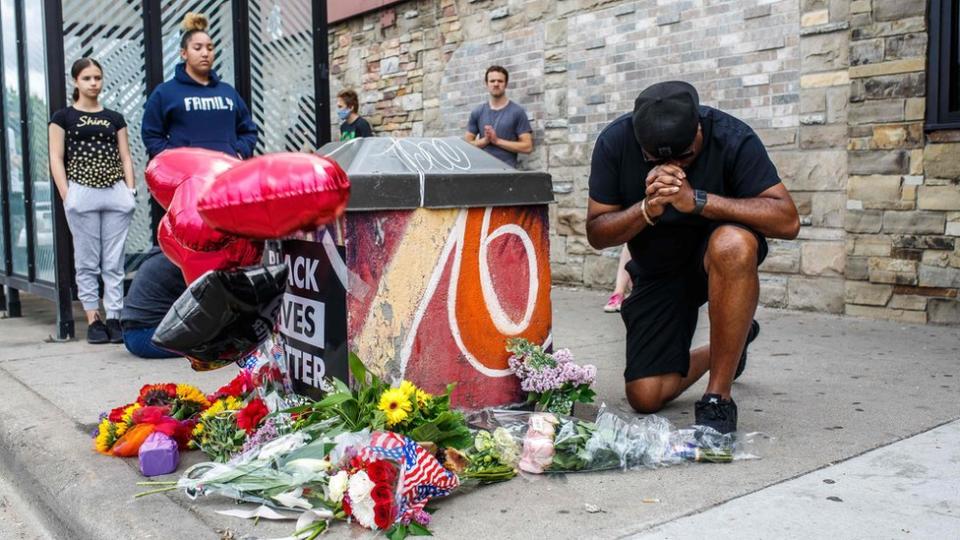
<point x="186" y="392"/>
<point x="395" y="404"/>
<point x="106" y="436"/>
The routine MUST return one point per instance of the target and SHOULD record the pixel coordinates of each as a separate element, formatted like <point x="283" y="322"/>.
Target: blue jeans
<point x="138" y="342"/>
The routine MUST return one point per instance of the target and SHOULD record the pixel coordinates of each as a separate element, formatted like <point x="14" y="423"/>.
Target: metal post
<point x="13" y="302"/>
<point x="62" y="240"/>
<point x="241" y="50"/>
<point x="25" y="141"/>
<point x="321" y="71"/>
<point x="153" y="51"/>
<point x="6" y="258"/>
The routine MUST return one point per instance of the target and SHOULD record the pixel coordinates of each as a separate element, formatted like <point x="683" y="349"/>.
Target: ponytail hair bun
<point x="195" y="22"/>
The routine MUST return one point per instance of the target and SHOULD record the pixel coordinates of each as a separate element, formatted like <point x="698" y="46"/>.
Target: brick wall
<point x="834" y="88"/>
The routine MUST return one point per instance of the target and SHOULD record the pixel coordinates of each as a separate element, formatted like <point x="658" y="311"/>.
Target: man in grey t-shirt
<point x="500" y="126"/>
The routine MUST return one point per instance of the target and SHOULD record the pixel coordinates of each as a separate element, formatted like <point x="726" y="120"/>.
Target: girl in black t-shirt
<point x="91" y="166"/>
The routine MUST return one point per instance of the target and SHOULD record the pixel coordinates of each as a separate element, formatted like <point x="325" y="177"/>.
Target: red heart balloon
<point x="185" y="222"/>
<point x="275" y="195"/>
<point x="170" y="168"/>
<point x="235" y="252"/>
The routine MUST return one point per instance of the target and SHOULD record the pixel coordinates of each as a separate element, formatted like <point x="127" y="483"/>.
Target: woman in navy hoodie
<point x="196" y="108"/>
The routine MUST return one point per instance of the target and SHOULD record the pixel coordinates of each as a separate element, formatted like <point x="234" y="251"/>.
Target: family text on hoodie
<point x="183" y="112"/>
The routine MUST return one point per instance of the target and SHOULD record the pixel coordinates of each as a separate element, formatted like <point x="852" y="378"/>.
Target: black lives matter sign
<point x="313" y="316"/>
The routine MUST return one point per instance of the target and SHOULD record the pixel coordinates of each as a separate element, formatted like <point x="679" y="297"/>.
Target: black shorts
<point x="661" y="315"/>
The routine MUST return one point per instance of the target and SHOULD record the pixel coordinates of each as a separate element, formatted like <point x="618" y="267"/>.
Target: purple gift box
<point x="159" y="455"/>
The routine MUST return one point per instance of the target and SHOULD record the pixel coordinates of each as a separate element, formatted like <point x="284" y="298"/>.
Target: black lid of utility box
<point x="389" y="173"/>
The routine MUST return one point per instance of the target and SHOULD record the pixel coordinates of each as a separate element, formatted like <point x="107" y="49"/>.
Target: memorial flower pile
<point x="376" y="453"/>
<point x="552" y="381"/>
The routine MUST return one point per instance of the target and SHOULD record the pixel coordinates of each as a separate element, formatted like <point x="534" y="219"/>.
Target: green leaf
<point x="357" y="368"/>
<point x="397" y="532"/>
<point x="334" y="399"/>
<point x="417" y="529"/>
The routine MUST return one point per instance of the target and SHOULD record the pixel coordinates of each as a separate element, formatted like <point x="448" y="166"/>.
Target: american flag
<point x="422" y="477"/>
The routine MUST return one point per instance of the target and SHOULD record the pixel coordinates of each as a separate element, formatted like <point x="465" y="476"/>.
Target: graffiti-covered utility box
<point x="443" y="254"/>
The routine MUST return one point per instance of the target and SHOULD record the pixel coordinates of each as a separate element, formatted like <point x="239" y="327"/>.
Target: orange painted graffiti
<point x="504" y="252"/>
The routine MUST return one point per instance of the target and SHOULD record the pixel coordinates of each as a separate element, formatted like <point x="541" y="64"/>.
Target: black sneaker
<point x="714" y="412"/>
<point x="751" y="335"/>
<point x="114" y="331"/>
<point x="97" y="333"/>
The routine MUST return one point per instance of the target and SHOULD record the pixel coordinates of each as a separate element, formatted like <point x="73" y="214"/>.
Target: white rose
<point x="338" y="486"/>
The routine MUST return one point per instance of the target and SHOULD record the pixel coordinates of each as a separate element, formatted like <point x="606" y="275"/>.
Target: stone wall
<point x="833" y="87"/>
<point x="903" y="200"/>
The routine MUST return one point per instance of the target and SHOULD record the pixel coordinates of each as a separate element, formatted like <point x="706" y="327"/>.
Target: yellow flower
<point x="121" y="429"/>
<point x="186" y="392"/>
<point x="198" y="429"/>
<point x="395" y="404"/>
<point x="228" y="403"/>
<point x="128" y="413"/>
<point x="422" y="398"/>
<point x="106" y="436"/>
<point x="409" y="389"/>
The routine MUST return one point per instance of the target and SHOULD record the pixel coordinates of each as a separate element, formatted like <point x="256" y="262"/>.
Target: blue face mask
<point x="342" y="114"/>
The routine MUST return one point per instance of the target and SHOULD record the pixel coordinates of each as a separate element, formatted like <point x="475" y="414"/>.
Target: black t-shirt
<point x="155" y="287"/>
<point x="359" y="128"/>
<point x="733" y="163"/>
<point x="91" y="153"/>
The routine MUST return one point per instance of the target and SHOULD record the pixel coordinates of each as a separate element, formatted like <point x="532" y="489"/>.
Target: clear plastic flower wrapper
<point x="552" y="443"/>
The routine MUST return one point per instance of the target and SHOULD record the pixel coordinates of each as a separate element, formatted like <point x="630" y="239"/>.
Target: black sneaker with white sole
<point x="714" y="412"/>
<point x="97" y="333"/>
<point x="751" y="335"/>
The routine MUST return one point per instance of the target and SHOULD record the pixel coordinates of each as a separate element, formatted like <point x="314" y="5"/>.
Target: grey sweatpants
<point x="99" y="219"/>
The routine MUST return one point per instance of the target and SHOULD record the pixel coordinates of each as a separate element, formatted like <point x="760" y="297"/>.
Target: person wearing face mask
<point x="352" y="126"/>
<point x="196" y="108"/>
<point x="693" y="194"/>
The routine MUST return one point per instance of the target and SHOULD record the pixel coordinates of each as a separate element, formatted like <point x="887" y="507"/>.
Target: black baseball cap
<point x="665" y="118"/>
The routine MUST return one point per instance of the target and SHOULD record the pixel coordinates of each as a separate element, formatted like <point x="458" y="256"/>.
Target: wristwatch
<point x="699" y="201"/>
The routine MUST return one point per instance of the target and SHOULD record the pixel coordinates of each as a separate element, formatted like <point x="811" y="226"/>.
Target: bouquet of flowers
<point x="381" y="481"/>
<point x="554" y="443"/>
<point x="375" y="405"/>
<point x="492" y="458"/>
<point x="169" y="408"/>
<point x="552" y="381"/>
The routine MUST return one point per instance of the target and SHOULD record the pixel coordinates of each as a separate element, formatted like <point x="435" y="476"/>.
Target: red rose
<point x="346" y="506"/>
<point x="249" y="417"/>
<point x="382" y="472"/>
<point x="383" y="515"/>
<point x="381" y="493"/>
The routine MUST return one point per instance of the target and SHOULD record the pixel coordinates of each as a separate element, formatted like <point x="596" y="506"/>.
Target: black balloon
<point x="224" y="315"/>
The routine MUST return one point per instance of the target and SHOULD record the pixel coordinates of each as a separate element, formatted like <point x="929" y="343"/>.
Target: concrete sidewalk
<point x="824" y="388"/>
